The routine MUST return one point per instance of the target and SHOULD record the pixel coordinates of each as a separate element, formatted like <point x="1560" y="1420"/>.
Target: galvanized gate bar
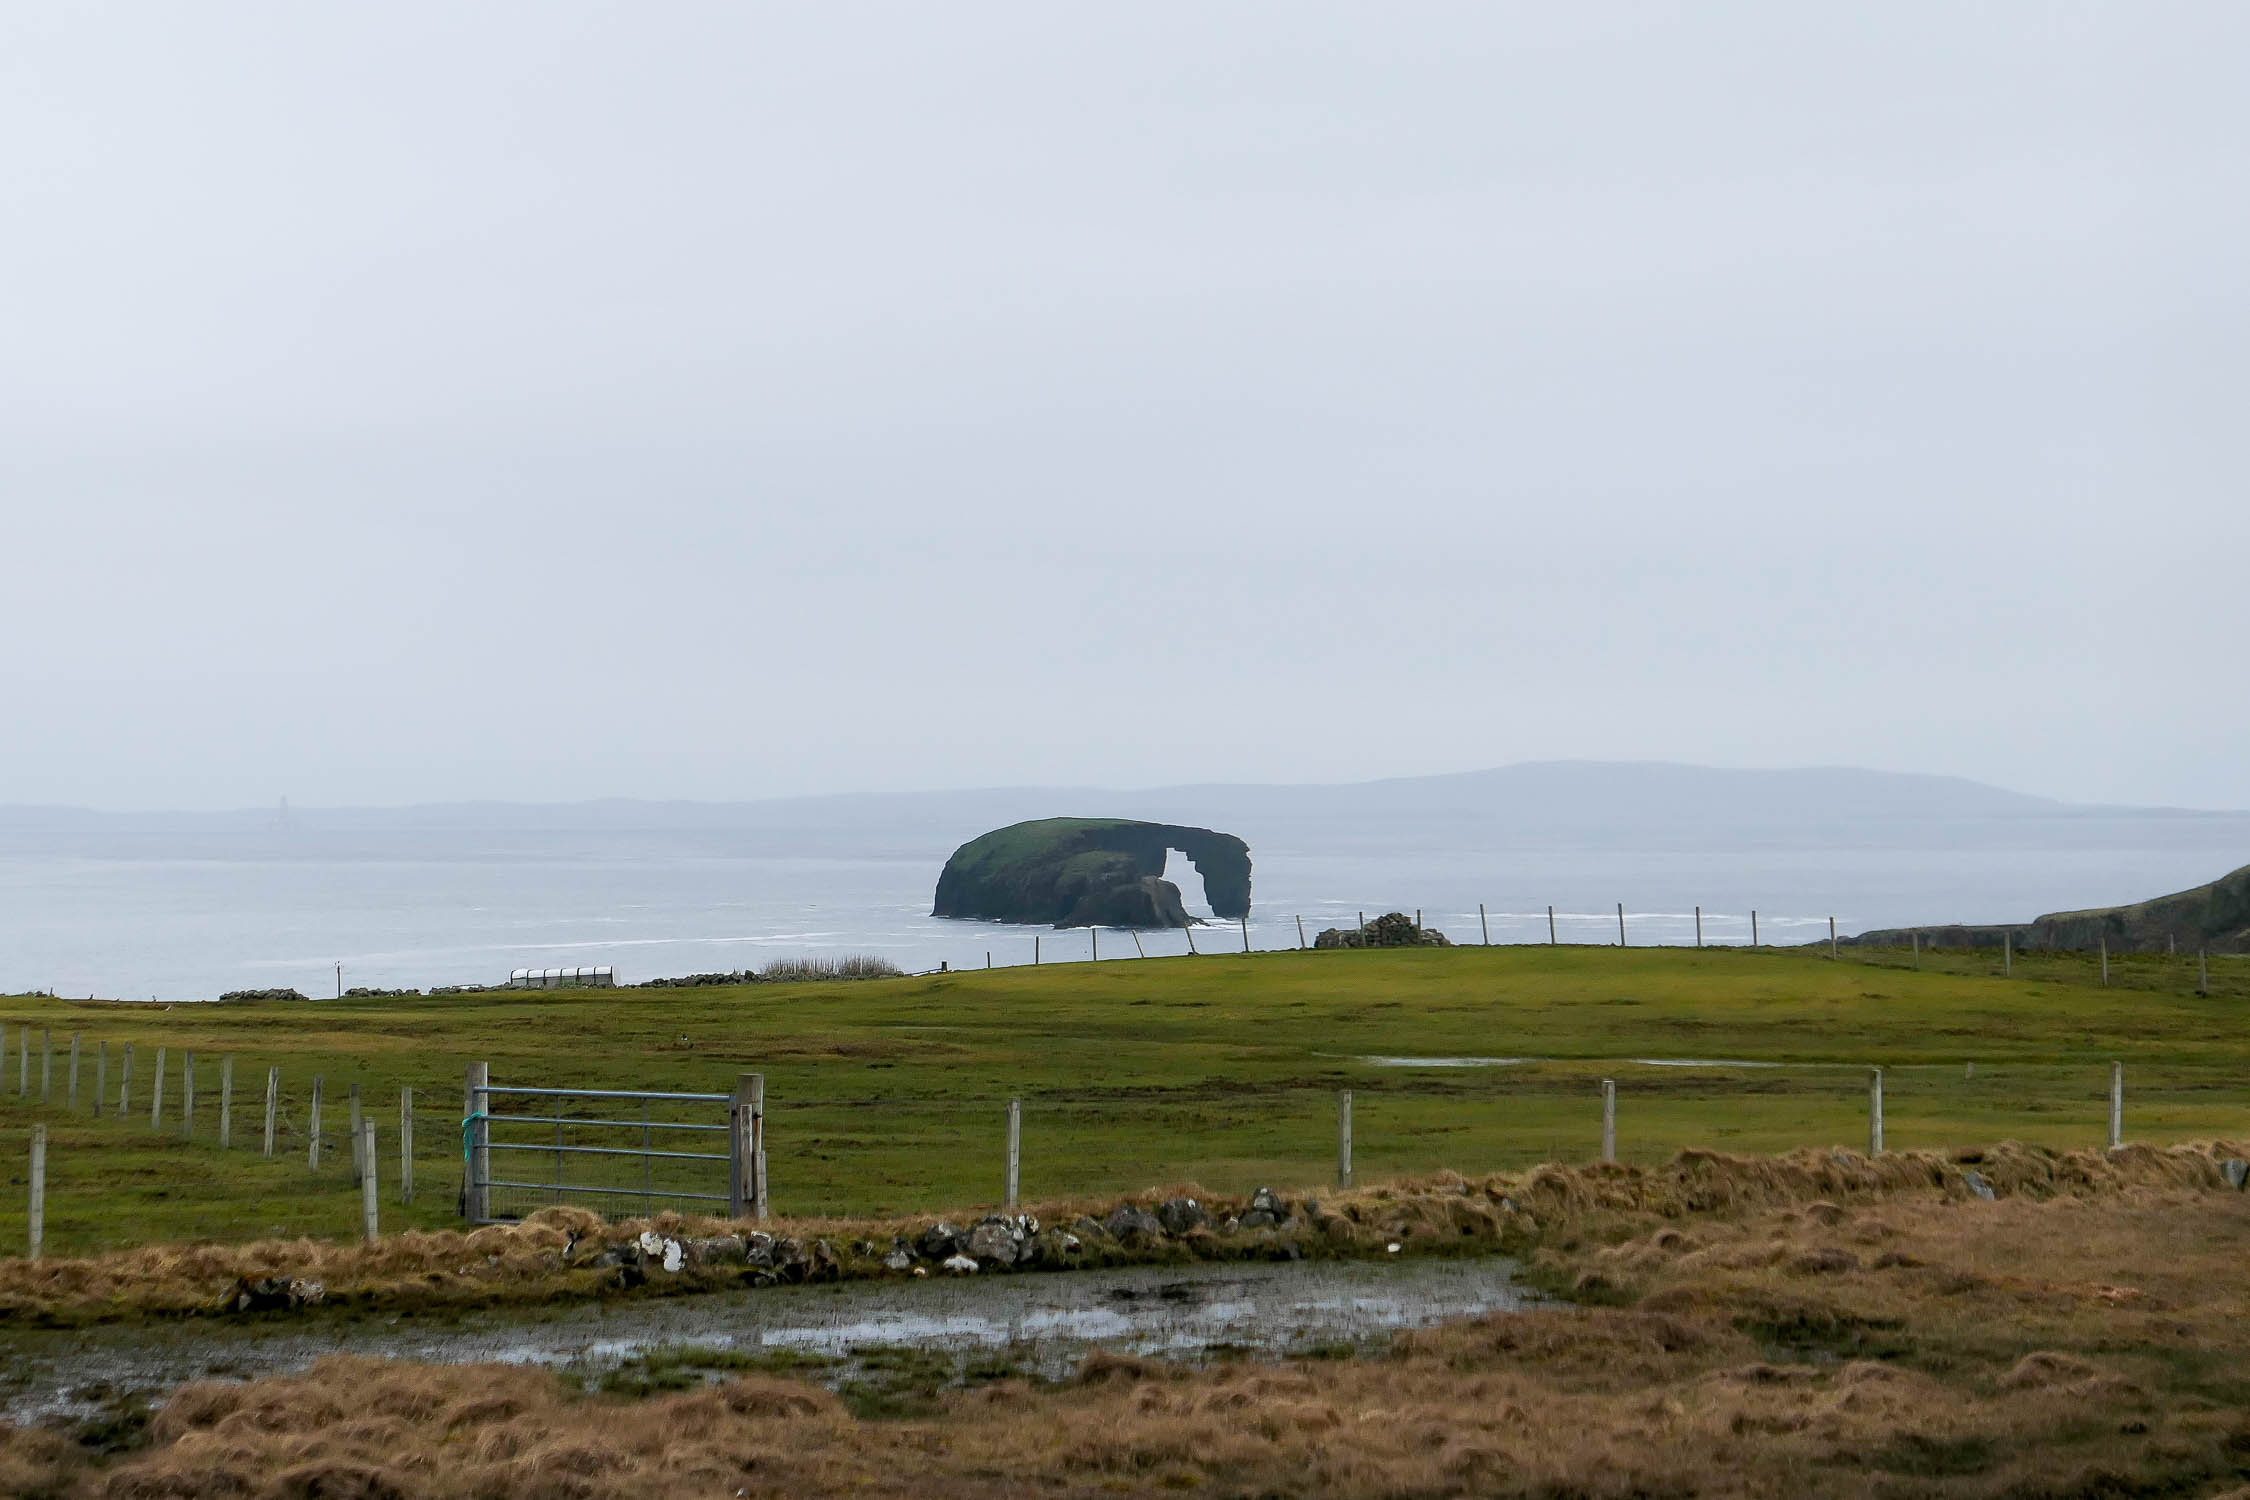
<point x="743" y="1128"/>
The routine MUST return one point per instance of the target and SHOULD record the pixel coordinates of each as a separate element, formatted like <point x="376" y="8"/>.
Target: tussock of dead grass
<point x="538" y="1260"/>
<point x="2007" y="1367"/>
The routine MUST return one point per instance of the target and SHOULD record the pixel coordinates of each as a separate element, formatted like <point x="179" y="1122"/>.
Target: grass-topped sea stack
<point x="1091" y="872"/>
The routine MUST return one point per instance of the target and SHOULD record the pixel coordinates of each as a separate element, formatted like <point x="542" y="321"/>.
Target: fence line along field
<point x="892" y="1096"/>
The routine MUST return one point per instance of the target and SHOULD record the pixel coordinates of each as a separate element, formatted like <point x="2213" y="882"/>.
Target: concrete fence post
<point x="477" y="1137"/>
<point x="1015" y="1151"/>
<point x="156" y="1094"/>
<point x="1875" y="1112"/>
<point x="2116" y="1105"/>
<point x="46" y="1065"/>
<point x="1609" y="1119"/>
<point x="187" y="1095"/>
<point x="125" y="1082"/>
<point x="367" y="1182"/>
<point x="226" y="1100"/>
<point x="273" y="1105"/>
<point x="406" y="1145"/>
<point x="1344" y="1139"/>
<point x="360" y="1163"/>
<point x="312" y="1150"/>
<point x="35" y="1211"/>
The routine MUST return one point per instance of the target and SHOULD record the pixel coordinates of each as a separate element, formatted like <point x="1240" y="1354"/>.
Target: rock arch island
<point x="1091" y="872"/>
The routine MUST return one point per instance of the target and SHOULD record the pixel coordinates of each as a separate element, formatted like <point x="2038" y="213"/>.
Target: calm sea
<point x="186" y="916"/>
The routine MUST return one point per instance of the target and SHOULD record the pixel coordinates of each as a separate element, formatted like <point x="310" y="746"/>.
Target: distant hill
<point x="2214" y="917"/>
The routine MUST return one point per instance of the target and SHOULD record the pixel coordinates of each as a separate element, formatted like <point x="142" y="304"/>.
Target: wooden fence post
<point x="125" y="1082"/>
<point x="406" y="1145"/>
<point x="742" y="1146"/>
<point x="46" y="1065"/>
<point x="2007" y="955"/>
<point x="273" y="1104"/>
<point x="2116" y="1105"/>
<point x="1344" y="1139"/>
<point x="101" y="1076"/>
<point x="312" y="1151"/>
<point x="360" y="1164"/>
<point x="2105" y="960"/>
<point x="1875" y="1112"/>
<point x="367" y="1183"/>
<point x="1609" y="1119"/>
<point x="226" y="1099"/>
<point x="1484" y="923"/>
<point x="156" y="1094"/>
<point x="74" y="1072"/>
<point x="758" y="1142"/>
<point x="187" y="1095"/>
<point x="477" y="1131"/>
<point x="36" y="1209"/>
<point x="1015" y="1150"/>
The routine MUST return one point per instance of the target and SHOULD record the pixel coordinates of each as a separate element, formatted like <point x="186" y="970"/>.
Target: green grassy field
<point x="890" y="1096"/>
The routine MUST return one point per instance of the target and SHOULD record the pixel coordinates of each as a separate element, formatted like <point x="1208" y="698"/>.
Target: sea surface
<point x="187" y="915"/>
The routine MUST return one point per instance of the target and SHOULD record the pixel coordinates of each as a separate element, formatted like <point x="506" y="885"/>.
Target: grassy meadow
<point x="889" y="1096"/>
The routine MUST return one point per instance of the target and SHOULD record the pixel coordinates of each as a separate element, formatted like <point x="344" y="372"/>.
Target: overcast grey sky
<point x="413" y="401"/>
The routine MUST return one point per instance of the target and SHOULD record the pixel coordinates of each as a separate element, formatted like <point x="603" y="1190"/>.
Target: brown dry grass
<point x="1550" y="1207"/>
<point x="1818" y="1324"/>
<point x="2093" y="1345"/>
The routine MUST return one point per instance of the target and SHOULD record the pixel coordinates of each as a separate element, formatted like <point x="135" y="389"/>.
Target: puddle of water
<point x="1045" y="1322"/>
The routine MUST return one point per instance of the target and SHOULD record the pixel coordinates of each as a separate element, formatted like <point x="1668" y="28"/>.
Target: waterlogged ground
<point x="854" y="1336"/>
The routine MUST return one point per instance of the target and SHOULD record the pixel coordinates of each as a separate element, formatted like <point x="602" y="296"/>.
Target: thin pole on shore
<point x="1620" y="924"/>
<point x="1035" y="950"/>
<point x="1609" y="1119"/>
<point x="1485" y="923"/>
<point x="1753" y="927"/>
<point x="1190" y="931"/>
<point x="1550" y="924"/>
<point x="1300" y="932"/>
<point x="1831" y="937"/>
<point x="1095" y="933"/>
<point x="1699" y="927"/>
<point x="1137" y="948"/>
<point x="1246" y="933"/>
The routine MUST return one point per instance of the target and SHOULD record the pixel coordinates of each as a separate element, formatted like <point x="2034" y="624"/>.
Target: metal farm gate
<point x="524" y="1148"/>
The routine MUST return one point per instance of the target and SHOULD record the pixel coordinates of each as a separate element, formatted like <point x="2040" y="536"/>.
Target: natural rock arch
<point x="1091" y="872"/>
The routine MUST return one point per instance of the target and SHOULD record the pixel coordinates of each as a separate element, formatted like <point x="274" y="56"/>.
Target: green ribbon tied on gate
<point x="465" y="1124"/>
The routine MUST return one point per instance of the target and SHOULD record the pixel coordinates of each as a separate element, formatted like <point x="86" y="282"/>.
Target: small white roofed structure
<point x="558" y="979"/>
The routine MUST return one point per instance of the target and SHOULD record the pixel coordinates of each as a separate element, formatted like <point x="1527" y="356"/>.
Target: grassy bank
<point x="1817" y="1325"/>
<point x="888" y="1097"/>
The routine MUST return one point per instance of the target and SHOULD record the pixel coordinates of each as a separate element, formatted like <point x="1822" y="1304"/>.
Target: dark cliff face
<point x="1089" y="872"/>
<point x="2214" y="917"/>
